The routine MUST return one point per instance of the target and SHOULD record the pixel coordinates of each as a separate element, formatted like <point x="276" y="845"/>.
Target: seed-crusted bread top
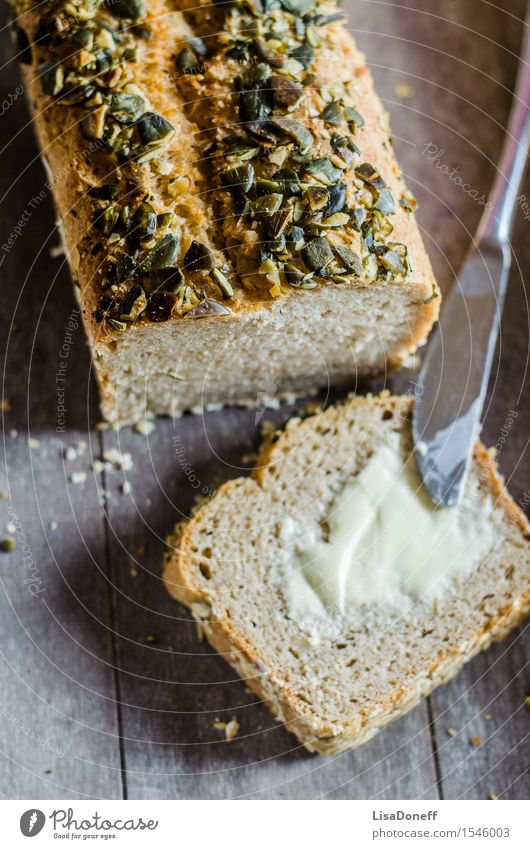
<point x="209" y="158"/>
<point x="336" y="683"/>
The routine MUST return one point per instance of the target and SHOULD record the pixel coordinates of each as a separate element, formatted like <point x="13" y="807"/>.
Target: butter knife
<point x="454" y="375"/>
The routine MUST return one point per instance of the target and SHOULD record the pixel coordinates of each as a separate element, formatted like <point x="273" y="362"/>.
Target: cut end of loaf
<point x="336" y="690"/>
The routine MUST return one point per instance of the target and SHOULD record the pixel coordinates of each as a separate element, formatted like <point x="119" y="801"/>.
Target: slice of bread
<point x="338" y="682"/>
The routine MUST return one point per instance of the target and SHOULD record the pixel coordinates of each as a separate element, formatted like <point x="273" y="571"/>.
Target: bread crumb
<point x="78" y="477"/>
<point x="33" y="443"/>
<point x="53" y="525"/>
<point x="145" y="427"/>
<point x="452" y="732"/>
<point x="133" y="572"/>
<point x="492" y="796"/>
<point x="126" y="487"/>
<point x="7" y="544"/>
<point x="475" y="741"/>
<point x="5" y="496"/>
<point x="231" y="729"/>
<point x="122" y="460"/>
<point x="13" y="433"/>
<point x="403" y="90"/>
<point x="152" y="638"/>
<point x="527" y="701"/>
<point x="488" y="716"/>
<point x="5" y="405"/>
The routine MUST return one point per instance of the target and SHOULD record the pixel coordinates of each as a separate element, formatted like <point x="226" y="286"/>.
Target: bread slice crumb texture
<point x="336" y="683"/>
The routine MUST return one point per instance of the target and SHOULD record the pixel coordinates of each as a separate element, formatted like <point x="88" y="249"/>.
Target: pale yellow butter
<point x="387" y="545"/>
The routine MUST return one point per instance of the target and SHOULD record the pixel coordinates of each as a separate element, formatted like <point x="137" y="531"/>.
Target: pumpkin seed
<point x="391" y="260"/>
<point x="223" y="282"/>
<point x="197" y="44"/>
<point x="125" y="267"/>
<point x="162" y="255"/>
<point x="141" y="32"/>
<point x="160" y="305"/>
<point x="198" y="258"/>
<point x="287" y="181"/>
<point x="337" y="199"/>
<point x="52" y="78"/>
<point x="368" y="174"/>
<point x="240" y="178"/>
<point x="297" y="7"/>
<point x="304" y="54"/>
<point x="93" y="124"/>
<point x="354" y="118"/>
<point x="143" y="222"/>
<point x="153" y="128"/>
<point x="263" y="51"/>
<point x="255" y="105"/>
<point x="322" y="169"/>
<point x="295" y="130"/>
<point x="187" y="61"/>
<point x="125" y="8"/>
<point x="267" y="205"/>
<point x="317" y="197"/>
<point x="286" y="92"/>
<point x="279" y="222"/>
<point x="126" y="108"/>
<point x="350" y="259"/>
<point x="408" y="201"/>
<point x="333" y="114"/>
<point x="208" y="308"/>
<point x="295" y="277"/>
<point x="106" y="220"/>
<point x="164" y="219"/>
<point x="133" y="303"/>
<point x="168" y="279"/>
<point x="317" y="254"/>
<point x="107" y="191"/>
<point x="117" y="325"/>
<point x="262" y="132"/>
<point x="385" y="202"/>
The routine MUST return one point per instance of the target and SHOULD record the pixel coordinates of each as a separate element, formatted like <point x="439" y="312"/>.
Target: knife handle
<point x="497" y="218"/>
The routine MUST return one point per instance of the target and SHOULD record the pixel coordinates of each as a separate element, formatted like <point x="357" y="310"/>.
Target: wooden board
<point x="104" y="681"/>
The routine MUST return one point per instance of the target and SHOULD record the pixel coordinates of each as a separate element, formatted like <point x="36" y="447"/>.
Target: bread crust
<point x="314" y="733"/>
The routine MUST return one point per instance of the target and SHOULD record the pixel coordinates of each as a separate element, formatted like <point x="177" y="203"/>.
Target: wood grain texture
<point x="63" y="705"/>
<point x="58" y="722"/>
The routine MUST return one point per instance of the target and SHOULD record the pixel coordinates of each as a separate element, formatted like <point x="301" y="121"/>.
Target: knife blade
<point x="454" y="375"/>
<point x="455" y="372"/>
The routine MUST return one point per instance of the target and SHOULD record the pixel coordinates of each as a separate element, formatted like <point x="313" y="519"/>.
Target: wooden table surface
<point x="105" y="690"/>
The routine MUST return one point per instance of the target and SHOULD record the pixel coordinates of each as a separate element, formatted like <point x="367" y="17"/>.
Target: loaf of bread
<point x="336" y="676"/>
<point x="229" y="202"/>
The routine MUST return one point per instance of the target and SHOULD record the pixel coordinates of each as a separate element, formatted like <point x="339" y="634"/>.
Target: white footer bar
<point x="266" y="824"/>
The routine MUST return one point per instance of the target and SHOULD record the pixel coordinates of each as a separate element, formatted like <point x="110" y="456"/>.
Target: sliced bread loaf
<point x="229" y="203"/>
<point x="334" y="674"/>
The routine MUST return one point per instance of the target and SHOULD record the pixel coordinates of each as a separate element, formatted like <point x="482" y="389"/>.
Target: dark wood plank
<point x="58" y="719"/>
<point x="464" y="93"/>
<point x="497" y="682"/>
